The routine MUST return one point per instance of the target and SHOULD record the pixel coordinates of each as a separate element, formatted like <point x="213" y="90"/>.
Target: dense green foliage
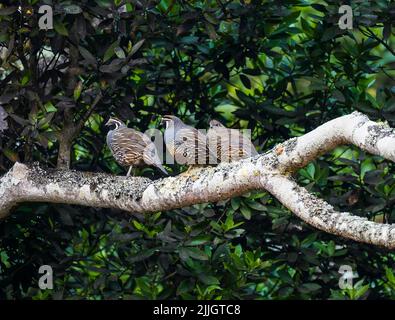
<point x="279" y="68"/>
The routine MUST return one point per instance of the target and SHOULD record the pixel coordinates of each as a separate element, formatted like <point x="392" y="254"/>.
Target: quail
<point x="186" y="144"/>
<point x="130" y="147"/>
<point x="230" y="144"/>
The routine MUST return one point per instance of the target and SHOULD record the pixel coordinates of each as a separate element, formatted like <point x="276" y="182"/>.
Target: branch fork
<point x="269" y="171"/>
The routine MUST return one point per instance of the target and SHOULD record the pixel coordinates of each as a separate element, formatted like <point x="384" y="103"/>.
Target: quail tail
<point x="129" y="171"/>
<point x="160" y="167"/>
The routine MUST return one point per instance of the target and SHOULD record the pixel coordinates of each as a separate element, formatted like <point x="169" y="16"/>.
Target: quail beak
<point x="108" y="123"/>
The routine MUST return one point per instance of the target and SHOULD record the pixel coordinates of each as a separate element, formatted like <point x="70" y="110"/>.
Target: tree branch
<point x="65" y="139"/>
<point x="267" y="171"/>
<point x="70" y="132"/>
<point x="370" y="33"/>
<point x="70" y="128"/>
<point x="323" y="216"/>
<point x="84" y="118"/>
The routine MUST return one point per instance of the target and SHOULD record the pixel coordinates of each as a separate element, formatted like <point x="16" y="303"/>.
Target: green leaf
<point x="136" y="47"/>
<point x="360" y="290"/>
<point x="292" y="17"/>
<point x="373" y="177"/>
<point x="11" y="155"/>
<point x="199" y="240"/>
<point x="60" y="28"/>
<point x="194" y="253"/>
<point x="138" y="225"/>
<point x="309" y="287"/>
<point x="142" y="256"/>
<point x="119" y="52"/>
<point x="143" y="283"/>
<point x="308" y="241"/>
<point x="338" y="95"/>
<point x="285" y="276"/>
<point x="245" y="212"/>
<point x="77" y="91"/>
<point x="255" y="205"/>
<point x="25" y="79"/>
<point x="211" y="18"/>
<point x="235" y="203"/>
<point x="306" y="27"/>
<point x="110" y="51"/>
<point x="390" y="275"/>
<point x="87" y="55"/>
<point x="331" y="248"/>
<point x="208" y="280"/>
<point x="189" y="40"/>
<point x="316" y="83"/>
<point x="185" y="286"/>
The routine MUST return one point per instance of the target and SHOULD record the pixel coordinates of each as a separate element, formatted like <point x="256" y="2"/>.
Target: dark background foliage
<point x="279" y="68"/>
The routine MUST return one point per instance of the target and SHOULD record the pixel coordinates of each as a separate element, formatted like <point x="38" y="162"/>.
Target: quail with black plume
<point x="130" y="147"/>
<point x="185" y="143"/>
<point x="231" y="144"/>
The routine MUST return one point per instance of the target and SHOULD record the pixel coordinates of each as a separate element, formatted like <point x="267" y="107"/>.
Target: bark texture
<point x="269" y="171"/>
<point x="70" y="131"/>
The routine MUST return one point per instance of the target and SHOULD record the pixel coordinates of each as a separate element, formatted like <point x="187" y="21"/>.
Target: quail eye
<point x="184" y="138"/>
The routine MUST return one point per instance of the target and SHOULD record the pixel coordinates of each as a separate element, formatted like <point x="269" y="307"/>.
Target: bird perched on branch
<point x="186" y="144"/>
<point x="131" y="148"/>
<point x="231" y="144"/>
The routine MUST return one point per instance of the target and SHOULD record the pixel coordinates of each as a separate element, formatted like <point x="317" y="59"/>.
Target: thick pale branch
<point x="266" y="171"/>
<point x="355" y="128"/>
<point x="133" y="194"/>
<point x="323" y="216"/>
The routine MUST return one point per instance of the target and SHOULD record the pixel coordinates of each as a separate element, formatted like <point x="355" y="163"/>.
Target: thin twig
<point x="372" y="34"/>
